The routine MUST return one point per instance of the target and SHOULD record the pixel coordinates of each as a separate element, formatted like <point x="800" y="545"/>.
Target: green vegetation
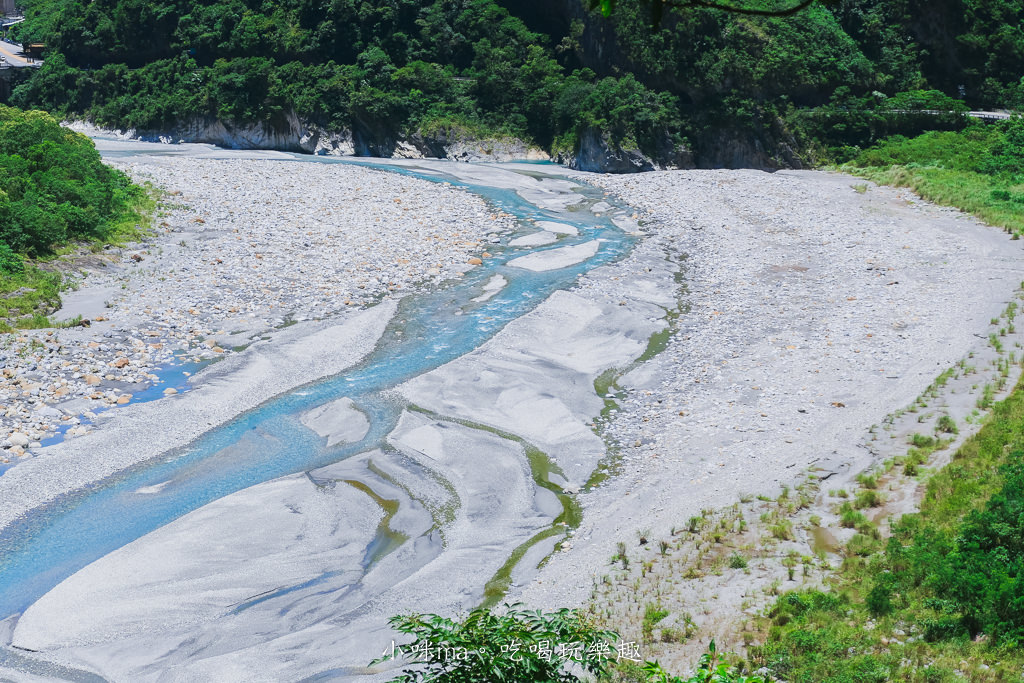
<point x="979" y="170"/>
<point x="517" y="645"/>
<point x="520" y="645"/>
<point x="944" y="594"/>
<point x="53" y="190"/>
<point x="27" y="297"/>
<point x="379" y="69"/>
<point x="826" y="82"/>
<point x="711" y="669"/>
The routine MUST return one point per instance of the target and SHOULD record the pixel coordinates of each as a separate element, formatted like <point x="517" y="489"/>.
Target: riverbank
<point x="817" y="305"/>
<point x="241" y="248"/>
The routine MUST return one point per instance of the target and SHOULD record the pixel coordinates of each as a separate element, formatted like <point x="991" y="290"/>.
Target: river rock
<point x="339" y="421"/>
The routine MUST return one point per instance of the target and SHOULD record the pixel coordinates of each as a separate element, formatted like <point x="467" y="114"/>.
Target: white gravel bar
<point x="242" y="246"/>
<point x="559" y="257"/>
<point x="811" y="311"/>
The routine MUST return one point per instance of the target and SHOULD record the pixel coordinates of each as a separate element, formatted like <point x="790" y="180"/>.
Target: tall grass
<point x="889" y="615"/>
<point x="966" y="170"/>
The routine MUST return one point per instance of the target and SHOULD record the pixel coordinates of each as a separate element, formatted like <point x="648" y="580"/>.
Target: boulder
<point x="597" y="152"/>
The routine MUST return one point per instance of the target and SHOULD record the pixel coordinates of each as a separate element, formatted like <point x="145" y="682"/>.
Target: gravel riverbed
<point x="809" y="307"/>
<point x="239" y="248"/>
<point x="813" y="306"/>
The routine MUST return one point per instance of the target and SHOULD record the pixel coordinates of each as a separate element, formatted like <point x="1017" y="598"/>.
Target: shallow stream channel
<point x="275" y="545"/>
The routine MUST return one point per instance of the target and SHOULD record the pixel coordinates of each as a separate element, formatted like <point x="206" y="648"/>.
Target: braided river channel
<point x="428" y="329"/>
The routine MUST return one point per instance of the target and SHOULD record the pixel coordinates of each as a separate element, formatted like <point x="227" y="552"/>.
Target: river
<point x="271" y="442"/>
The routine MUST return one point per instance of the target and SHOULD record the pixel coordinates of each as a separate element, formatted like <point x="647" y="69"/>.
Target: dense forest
<point x="735" y="90"/>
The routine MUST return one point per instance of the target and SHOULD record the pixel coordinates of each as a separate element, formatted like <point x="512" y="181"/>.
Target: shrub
<point x="53" y="187"/>
<point x="849" y="518"/>
<point x="947" y="425"/>
<point x="867" y="498"/>
<point x="1007" y="155"/>
<point x="481" y="647"/>
<point x="10" y="263"/>
<point x="922" y="441"/>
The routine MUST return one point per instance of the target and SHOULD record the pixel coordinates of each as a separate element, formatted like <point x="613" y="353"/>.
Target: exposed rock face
<point x="449" y="143"/>
<point x="725" y="148"/>
<point x="767" y="150"/>
<point x="734" y="149"/>
<point x="292" y="134"/>
<point x="598" y="153"/>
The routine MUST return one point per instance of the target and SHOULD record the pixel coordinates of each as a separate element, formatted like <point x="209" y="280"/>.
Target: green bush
<point x="1007" y="154"/>
<point x="54" y="187"/>
<point x="518" y="645"/>
<point x="10" y="263"/>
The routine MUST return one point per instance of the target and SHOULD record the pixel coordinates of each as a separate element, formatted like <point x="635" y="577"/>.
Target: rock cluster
<point x="240" y="247"/>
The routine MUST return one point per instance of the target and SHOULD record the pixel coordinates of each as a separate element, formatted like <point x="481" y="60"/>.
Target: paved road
<point x="989" y="115"/>
<point x="11" y="53"/>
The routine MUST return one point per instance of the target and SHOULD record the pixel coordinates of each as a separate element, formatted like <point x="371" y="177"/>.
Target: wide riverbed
<point x="391" y="452"/>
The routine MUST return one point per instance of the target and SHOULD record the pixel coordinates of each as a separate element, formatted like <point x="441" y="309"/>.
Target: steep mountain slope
<point x="419" y="76"/>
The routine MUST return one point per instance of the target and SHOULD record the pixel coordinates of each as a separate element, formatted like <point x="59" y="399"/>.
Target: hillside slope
<point x="409" y="78"/>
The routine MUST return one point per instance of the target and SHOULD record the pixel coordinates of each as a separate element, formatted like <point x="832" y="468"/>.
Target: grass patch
<point x="966" y="190"/>
<point x="27" y="298"/>
<point x="939" y="601"/>
<point x="979" y="170"/>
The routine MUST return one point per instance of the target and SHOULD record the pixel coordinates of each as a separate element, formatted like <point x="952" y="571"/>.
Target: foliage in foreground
<point x="517" y="645"/>
<point x="520" y="645"/>
<point x="943" y="600"/>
